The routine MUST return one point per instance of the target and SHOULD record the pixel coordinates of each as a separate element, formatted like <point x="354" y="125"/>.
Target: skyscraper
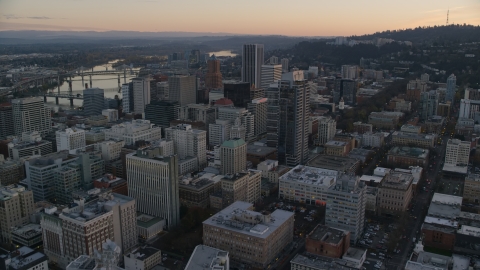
<point x="252" y="61"/>
<point x="127" y="97"/>
<point x="6" y="120"/>
<point x="93" y="101"/>
<point x="213" y="78"/>
<point x="258" y="107"/>
<point x="233" y="155"/>
<point x="270" y="74"/>
<point x="241" y="93"/>
<point x="162" y="112"/>
<point x="31" y="114"/>
<point x="326" y="130"/>
<point x="189" y="142"/>
<point x="141" y="94"/>
<point x="451" y="85"/>
<point x="153" y="182"/>
<point x="428" y="104"/>
<point x="182" y="89"/>
<point x="284" y="63"/>
<point x="347" y="89"/>
<point x="288" y="121"/>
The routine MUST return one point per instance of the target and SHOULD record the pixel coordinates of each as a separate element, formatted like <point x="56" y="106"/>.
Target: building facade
<point x="252" y="61"/>
<point x="31" y="114"/>
<point x="93" y="101"/>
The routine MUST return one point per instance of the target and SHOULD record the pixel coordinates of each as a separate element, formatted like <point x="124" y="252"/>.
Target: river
<point x="100" y="81"/>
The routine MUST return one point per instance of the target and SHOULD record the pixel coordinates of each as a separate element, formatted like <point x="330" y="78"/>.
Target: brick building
<point x="327" y="241"/>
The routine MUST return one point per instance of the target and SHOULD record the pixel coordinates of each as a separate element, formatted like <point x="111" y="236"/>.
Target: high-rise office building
<point x="70" y="139"/>
<point x="428" y="104"/>
<point x="284" y="63"/>
<point x="189" y="143"/>
<point x="347" y="89"/>
<point x="349" y="72"/>
<point x="457" y="153"/>
<point x="182" y="89"/>
<point x="274" y="60"/>
<point x="252" y="61"/>
<point x="270" y="74"/>
<point x="247" y="119"/>
<point x="141" y="94"/>
<point x="213" y="78"/>
<point x="16" y="206"/>
<point x="258" y="107"/>
<point x="241" y="93"/>
<point x="86" y="226"/>
<point x="161" y="112"/>
<point x="233" y="156"/>
<point x="134" y="131"/>
<point x="31" y="114"/>
<point x="326" y="130"/>
<point x="66" y="180"/>
<point x="6" y="120"/>
<point x="346" y="202"/>
<point x="148" y="171"/>
<point x="218" y="132"/>
<point x="92" y="167"/>
<point x="288" y="121"/>
<point x="198" y="112"/>
<point x="127" y="97"/>
<point x="451" y="87"/>
<point x="93" y="101"/>
<point x="40" y="173"/>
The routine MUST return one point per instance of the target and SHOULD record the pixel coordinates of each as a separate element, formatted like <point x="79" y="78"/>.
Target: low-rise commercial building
<point x="327" y="241"/>
<point x="395" y="193"/>
<point x="258" y="153"/>
<point x="413" y="139"/>
<point x="142" y="258"/>
<point x="385" y="120"/>
<point x="29" y="235"/>
<point x="271" y="170"/>
<point x="336" y="163"/>
<point x="404" y="156"/>
<point x="471" y="190"/>
<point x="205" y="257"/>
<point x="195" y="191"/>
<point x="249" y="237"/>
<point x="24" y="258"/>
<point x="148" y="227"/>
<point x="307" y="184"/>
<point x="337" y="148"/>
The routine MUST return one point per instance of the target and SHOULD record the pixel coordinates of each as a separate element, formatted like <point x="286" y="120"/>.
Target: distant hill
<point x="447" y="33"/>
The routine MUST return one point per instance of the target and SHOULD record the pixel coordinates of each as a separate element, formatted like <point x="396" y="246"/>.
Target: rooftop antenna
<point x="448" y="11"/>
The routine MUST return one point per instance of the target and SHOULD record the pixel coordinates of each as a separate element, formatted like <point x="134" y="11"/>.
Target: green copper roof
<point x="233" y="143"/>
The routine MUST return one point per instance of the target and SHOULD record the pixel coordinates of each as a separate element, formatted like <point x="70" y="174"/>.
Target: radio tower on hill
<point x="448" y="11"/>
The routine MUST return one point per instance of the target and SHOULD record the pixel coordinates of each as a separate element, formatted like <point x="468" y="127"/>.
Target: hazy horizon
<point x="248" y="17"/>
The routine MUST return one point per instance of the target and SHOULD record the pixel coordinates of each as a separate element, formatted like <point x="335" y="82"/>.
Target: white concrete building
<point x="214" y="259"/>
<point x="307" y="184"/>
<point x="137" y="130"/>
<point x="141" y="94"/>
<point x="246" y="117"/>
<point x="326" y="129"/>
<point x="189" y="142"/>
<point x="148" y="171"/>
<point x="111" y="114"/>
<point x="457" y="155"/>
<point x="70" y="139"/>
<point x="111" y="149"/>
<point x="373" y="139"/>
<point x="219" y="132"/>
<point x="126" y="98"/>
<point x="270" y="74"/>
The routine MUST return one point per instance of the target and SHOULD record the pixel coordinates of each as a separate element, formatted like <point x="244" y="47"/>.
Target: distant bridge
<point x="71" y="95"/>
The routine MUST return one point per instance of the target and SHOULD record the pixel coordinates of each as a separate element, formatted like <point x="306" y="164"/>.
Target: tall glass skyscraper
<point x="451" y="85"/>
<point x="252" y="61"/>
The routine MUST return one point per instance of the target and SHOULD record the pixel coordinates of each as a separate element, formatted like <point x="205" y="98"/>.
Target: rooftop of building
<point x="327" y="234"/>
<point x="110" y="179"/>
<point x="143" y="253"/>
<point x="334" y="143"/>
<point x="238" y="217"/>
<point x="360" y="152"/>
<point x="387" y="114"/>
<point x="311" y="176"/>
<point x="445" y="206"/>
<point x="224" y="102"/>
<point x="27" y="144"/>
<point x="25" y="258"/>
<point x="146" y="221"/>
<point x="49" y="159"/>
<point x="428" y="261"/>
<point x="455" y="169"/>
<point x="336" y="163"/>
<point x="409" y="152"/>
<point x="259" y="150"/>
<point x="83" y="262"/>
<point x="205" y="257"/>
<point x="234" y="177"/>
<point x="310" y="261"/>
<point x="460" y="262"/>
<point x="199" y="181"/>
<point x="414" y="136"/>
<point x="7" y="192"/>
<point x="457" y="142"/>
<point x="355" y="253"/>
<point x="469" y="230"/>
<point x="397" y="180"/>
<point x="233" y="143"/>
<point x="369" y="178"/>
<point x="28" y="231"/>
